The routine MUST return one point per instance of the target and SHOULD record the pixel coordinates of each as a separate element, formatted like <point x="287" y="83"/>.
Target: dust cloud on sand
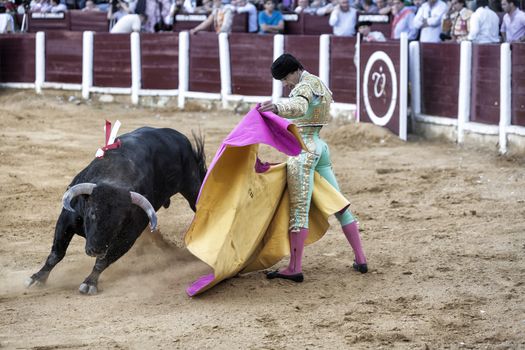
<point x="443" y="229"/>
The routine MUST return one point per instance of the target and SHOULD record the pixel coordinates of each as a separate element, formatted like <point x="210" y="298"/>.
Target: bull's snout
<point x="96" y="252"/>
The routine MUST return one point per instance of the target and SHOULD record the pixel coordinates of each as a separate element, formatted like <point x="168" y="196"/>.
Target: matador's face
<point x="292" y="79"/>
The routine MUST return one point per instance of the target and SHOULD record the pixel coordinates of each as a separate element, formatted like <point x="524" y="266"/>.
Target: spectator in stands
<point x="416" y="4"/>
<point x="303" y="6"/>
<point x="484" y="24"/>
<point x="206" y="7"/>
<point x="270" y="20"/>
<point x="513" y="26"/>
<point x="403" y="21"/>
<point x="383" y="8"/>
<point x="428" y="20"/>
<point x="370" y="7"/>
<point x="221" y="18"/>
<point x="327" y="9"/>
<point x="343" y="19"/>
<point x="90" y="7"/>
<point x="57" y="7"/>
<point x="244" y="6"/>
<point x="364" y="28"/>
<point x="459" y="20"/>
<point x="39" y="6"/>
<point x="128" y="24"/>
<point x="156" y="11"/>
<point x="117" y="10"/>
<point x="7" y="25"/>
<point x="286" y="5"/>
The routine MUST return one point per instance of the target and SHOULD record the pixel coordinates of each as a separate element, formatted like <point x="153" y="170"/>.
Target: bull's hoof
<point x="88" y="289"/>
<point x="33" y="282"/>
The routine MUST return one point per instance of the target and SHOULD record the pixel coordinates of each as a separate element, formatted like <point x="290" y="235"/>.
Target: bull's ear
<point x="142" y="202"/>
<point x="83" y="188"/>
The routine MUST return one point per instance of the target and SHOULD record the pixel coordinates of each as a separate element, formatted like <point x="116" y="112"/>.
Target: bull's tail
<point x="198" y="153"/>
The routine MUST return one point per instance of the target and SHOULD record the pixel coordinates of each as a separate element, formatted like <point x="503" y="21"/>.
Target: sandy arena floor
<point x="443" y="227"/>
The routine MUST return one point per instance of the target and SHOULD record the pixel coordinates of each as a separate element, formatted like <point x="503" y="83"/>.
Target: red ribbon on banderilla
<point x="111" y="134"/>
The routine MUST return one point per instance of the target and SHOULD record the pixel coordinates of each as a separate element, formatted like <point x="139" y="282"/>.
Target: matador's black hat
<point x="284" y="65"/>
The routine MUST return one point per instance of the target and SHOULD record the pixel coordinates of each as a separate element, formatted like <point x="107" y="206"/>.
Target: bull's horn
<point x="141" y="201"/>
<point x="83" y="188"/>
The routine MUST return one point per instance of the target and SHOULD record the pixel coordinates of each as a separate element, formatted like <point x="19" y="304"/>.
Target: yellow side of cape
<point x="242" y="217"/>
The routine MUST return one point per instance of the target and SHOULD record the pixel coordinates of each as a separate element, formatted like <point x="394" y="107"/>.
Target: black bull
<point x="112" y="200"/>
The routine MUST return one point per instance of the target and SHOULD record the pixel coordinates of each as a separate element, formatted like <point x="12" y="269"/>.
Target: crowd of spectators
<point x="480" y="21"/>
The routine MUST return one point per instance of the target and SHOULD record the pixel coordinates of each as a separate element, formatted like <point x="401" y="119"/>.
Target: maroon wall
<point x="485" y="84"/>
<point x="48" y="24"/>
<point x="518" y="85"/>
<point x="205" y="75"/>
<point x="88" y="20"/>
<point x="306" y="49"/>
<point x="342" y="69"/>
<point x="64" y="57"/>
<point x="17" y="58"/>
<point x="160" y="60"/>
<point x="111" y="60"/>
<point x="250" y="64"/>
<point x="316" y="25"/>
<point x="440" y="79"/>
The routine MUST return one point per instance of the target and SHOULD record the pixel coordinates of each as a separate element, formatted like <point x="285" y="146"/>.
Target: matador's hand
<point x="267" y="106"/>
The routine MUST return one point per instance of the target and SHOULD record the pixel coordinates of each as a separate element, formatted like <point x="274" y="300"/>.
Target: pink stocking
<point x="351" y="232"/>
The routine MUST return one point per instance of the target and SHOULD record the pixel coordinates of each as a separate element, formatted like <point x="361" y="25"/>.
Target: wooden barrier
<point x="518" y="85"/>
<point x="440" y="79"/>
<point x="485" y="84"/>
<point x="44" y="22"/>
<point x="17" y="58"/>
<point x="250" y="64"/>
<point x="205" y="72"/>
<point x="73" y="20"/>
<point x="95" y="21"/>
<point x="160" y="60"/>
<point x="343" y="73"/>
<point x="111" y="60"/>
<point x="64" y="57"/>
<point x="316" y="25"/>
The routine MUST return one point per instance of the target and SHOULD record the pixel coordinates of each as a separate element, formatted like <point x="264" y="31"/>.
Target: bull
<point x="111" y="201"/>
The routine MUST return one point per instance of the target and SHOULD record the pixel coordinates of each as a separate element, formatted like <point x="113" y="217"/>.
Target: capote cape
<point x="241" y="222"/>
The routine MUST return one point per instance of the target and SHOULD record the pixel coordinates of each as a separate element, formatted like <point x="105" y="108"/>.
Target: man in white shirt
<point x="6" y="22"/>
<point x="484" y="24"/>
<point x="513" y="26"/>
<point x="56" y="7"/>
<point x="343" y="19"/>
<point x="428" y="19"/>
<point x="244" y="6"/>
<point x="128" y="24"/>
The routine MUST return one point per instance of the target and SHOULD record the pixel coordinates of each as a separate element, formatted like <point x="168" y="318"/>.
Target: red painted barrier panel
<point x="380" y="72"/>
<point x="17" y="58"/>
<point x="88" y="20"/>
<point x="250" y="64"/>
<point x="316" y="25"/>
<point x="293" y="23"/>
<point x="160" y="60"/>
<point x="64" y="57"/>
<point x="518" y="85"/>
<point x="485" y="84"/>
<point x="205" y="71"/>
<point x="111" y="60"/>
<point x="342" y="69"/>
<point x="440" y="79"/>
<point x="47" y="22"/>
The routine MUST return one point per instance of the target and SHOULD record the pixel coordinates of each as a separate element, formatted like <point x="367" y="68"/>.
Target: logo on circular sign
<point x="379" y="81"/>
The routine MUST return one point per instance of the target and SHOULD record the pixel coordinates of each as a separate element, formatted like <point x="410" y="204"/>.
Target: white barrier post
<point x="357" y="64"/>
<point x="40" y="61"/>
<point x="184" y="66"/>
<point x="415" y="77"/>
<point x="465" y="79"/>
<point x="87" y="63"/>
<point x="505" y="95"/>
<point x="403" y="89"/>
<point x="225" y="64"/>
<point x="136" y="67"/>
<point x="278" y="50"/>
<point x="324" y="59"/>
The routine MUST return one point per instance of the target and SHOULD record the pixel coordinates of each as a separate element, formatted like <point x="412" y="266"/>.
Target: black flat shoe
<point x="298" y="277"/>
<point x="363" y="268"/>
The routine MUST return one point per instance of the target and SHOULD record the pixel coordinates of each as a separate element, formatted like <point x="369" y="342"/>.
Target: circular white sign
<point x="379" y="81"/>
